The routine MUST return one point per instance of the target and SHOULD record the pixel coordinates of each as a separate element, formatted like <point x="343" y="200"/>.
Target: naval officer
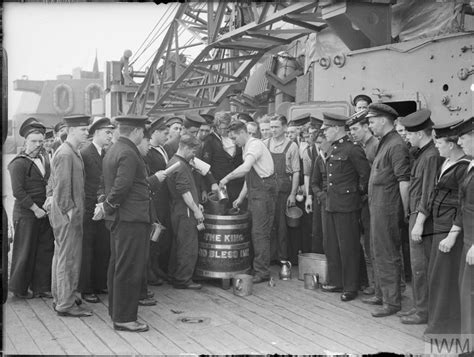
<point x="127" y="215"/>
<point x="347" y="179"/>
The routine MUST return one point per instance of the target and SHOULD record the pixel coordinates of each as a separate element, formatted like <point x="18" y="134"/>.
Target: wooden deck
<point x="285" y="319"/>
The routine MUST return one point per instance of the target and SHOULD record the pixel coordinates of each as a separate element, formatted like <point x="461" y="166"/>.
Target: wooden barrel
<point x="224" y="246"/>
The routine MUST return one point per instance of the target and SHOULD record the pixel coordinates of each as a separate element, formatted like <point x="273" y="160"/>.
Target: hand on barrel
<point x="237" y="202"/>
<point x="198" y="214"/>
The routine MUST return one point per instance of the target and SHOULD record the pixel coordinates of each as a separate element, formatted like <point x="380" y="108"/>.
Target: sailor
<point x="67" y="216"/>
<point x="157" y="159"/>
<point x="286" y="162"/>
<point x="444" y="312"/>
<point x="127" y="215"/>
<point x="361" y="134"/>
<point x="175" y="125"/>
<point x="205" y="128"/>
<point x="465" y="130"/>
<point x="186" y="214"/>
<point x="361" y="102"/>
<point x="60" y="134"/>
<point x="96" y="238"/>
<point x="422" y="182"/>
<point x="347" y="178"/>
<point x="223" y="154"/>
<point x="388" y="185"/>
<point x="33" y="244"/>
<point x="261" y="187"/>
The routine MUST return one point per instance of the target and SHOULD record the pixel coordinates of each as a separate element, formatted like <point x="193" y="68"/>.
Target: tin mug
<point x="310" y="281"/>
<point x="243" y="284"/>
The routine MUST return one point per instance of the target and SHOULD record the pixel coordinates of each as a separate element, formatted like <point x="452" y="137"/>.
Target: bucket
<point x="243" y="284"/>
<point x="224" y="246"/>
<point x="293" y="216"/>
<point x="313" y="263"/>
<point x="214" y="205"/>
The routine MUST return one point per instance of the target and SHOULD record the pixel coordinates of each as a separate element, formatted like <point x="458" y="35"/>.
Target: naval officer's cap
<point x="100" y="123"/>
<point x="158" y="124"/>
<point x="333" y="119"/>
<point x="380" y="109"/>
<point x="138" y="121"/>
<point x="358" y="117"/>
<point x="193" y="121"/>
<point x="419" y="120"/>
<point x="77" y="120"/>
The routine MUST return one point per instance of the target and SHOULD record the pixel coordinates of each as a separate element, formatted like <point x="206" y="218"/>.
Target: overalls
<point x="279" y="241"/>
<point x="261" y="206"/>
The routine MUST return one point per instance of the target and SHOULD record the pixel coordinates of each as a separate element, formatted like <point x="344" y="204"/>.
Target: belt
<point x="268" y="177"/>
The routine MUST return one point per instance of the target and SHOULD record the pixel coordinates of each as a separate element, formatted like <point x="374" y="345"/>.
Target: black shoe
<point x="407" y="312"/>
<point x="44" y="294"/>
<point x="156" y="282"/>
<point x="147" y="302"/>
<point x="348" y="295"/>
<point x="413" y="319"/>
<point x="260" y="279"/>
<point x="149" y="294"/>
<point x="385" y="311"/>
<point x="192" y="286"/>
<point x="91" y="298"/>
<point x="331" y="289"/>
<point x="75" y="311"/>
<point x="373" y="300"/>
<point x="27" y="295"/>
<point x="131" y="326"/>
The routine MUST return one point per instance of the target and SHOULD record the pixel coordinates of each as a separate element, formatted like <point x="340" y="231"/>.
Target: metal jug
<point x="222" y="194"/>
<point x="285" y="272"/>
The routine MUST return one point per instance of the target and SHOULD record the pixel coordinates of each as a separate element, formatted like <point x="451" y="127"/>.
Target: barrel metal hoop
<point x="220" y="275"/>
<point x="237" y="217"/>
<point x="226" y="227"/>
<point x="224" y="246"/>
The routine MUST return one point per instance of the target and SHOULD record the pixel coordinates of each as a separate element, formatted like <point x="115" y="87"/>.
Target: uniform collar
<point x="423" y="149"/>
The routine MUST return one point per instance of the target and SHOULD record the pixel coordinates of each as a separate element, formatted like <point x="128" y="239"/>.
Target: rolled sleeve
<point x="292" y="159"/>
<point x="401" y="162"/>
<point x="429" y="181"/>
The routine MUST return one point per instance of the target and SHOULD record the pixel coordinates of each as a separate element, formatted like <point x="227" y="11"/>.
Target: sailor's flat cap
<point x="138" y="121"/>
<point x="466" y="126"/>
<point x="30" y="125"/>
<point x="333" y="119"/>
<point x="361" y="97"/>
<point x="77" y="120"/>
<point x="447" y="129"/>
<point x="419" y="120"/>
<point x="380" y="109"/>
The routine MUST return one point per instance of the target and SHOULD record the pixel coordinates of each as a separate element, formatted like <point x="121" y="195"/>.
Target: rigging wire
<point x="154" y="38"/>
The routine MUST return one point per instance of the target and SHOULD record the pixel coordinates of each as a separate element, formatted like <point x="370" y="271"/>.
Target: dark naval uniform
<point x="96" y="238"/>
<point x="443" y="305"/>
<point x="422" y="182"/>
<point x="184" y="248"/>
<point x="33" y="244"/>
<point x="127" y="208"/>
<point x="347" y="177"/>
<point x="223" y="163"/>
<point x="319" y="188"/>
<point x="157" y="159"/>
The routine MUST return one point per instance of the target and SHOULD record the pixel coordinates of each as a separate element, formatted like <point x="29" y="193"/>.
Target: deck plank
<point x="9" y="347"/>
<point x="58" y="328"/>
<point x="37" y="330"/>
<point x="18" y="334"/>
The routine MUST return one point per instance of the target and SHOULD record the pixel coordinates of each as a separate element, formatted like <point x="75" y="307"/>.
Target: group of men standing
<point x="361" y="179"/>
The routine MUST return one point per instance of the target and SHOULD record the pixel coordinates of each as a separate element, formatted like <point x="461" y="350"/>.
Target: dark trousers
<point x="261" y="205"/>
<point x="128" y="256"/>
<point x="279" y="235"/>
<point x="160" y="251"/>
<point x="420" y="259"/>
<point x="466" y="284"/>
<point x="33" y="249"/>
<point x="317" y="231"/>
<point x="95" y="257"/>
<point x="385" y="237"/>
<point x="366" y="245"/>
<point x="343" y="249"/>
<point x="184" y="249"/>
<point x="443" y="305"/>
